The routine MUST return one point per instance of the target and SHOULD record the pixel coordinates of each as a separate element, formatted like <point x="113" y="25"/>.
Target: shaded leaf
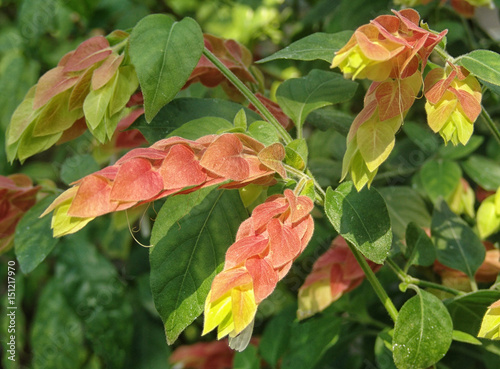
<point x="300" y="96"/>
<point x="33" y="239"/>
<point x="440" y="178"/>
<point x="310" y="339"/>
<point x="484" y="171"/>
<point x="93" y="289"/>
<point x="57" y="337"/>
<point x="183" y="110"/>
<point x="420" y="249"/>
<point x="185" y="260"/>
<point x="467" y="311"/>
<point x="405" y="205"/>
<point x="361" y="218"/>
<point x="457" y="245"/>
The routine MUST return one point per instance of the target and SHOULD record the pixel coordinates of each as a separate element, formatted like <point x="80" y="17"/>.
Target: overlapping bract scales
<point x="17" y="195"/>
<point x="453" y="103"/>
<point x="335" y="273"/>
<point x="265" y="247"/>
<point x="89" y="88"/>
<point x="371" y="137"/>
<point x="389" y="47"/>
<point x="170" y="166"/>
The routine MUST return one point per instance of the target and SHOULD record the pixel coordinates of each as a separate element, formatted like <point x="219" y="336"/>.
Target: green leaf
<point x="310" y="339"/>
<point x="126" y="84"/>
<point x="327" y="118"/>
<point x="77" y="167"/>
<point x="201" y="127"/>
<point x="164" y="53"/>
<point x="300" y="96"/>
<point x="440" y="178"/>
<point x="240" y="120"/>
<point x="405" y="205"/>
<point x="296" y="154"/>
<point x="457" y="245"/>
<point x="247" y="359"/>
<point x="452" y="152"/>
<point x="484" y="171"/>
<point x="484" y="64"/>
<point x="460" y="336"/>
<point x="422" y="333"/>
<point x="37" y="17"/>
<point x="361" y="218"/>
<point x="383" y="349"/>
<point x="276" y="336"/>
<point x="183" y="110"/>
<point x="467" y="311"/>
<point x="422" y="136"/>
<point x="319" y="45"/>
<point x="94" y="290"/>
<point x="185" y="260"/>
<point x="263" y="132"/>
<point x="57" y="337"/>
<point x="96" y="103"/>
<point x="148" y="349"/>
<point x="33" y="238"/>
<point x="420" y="249"/>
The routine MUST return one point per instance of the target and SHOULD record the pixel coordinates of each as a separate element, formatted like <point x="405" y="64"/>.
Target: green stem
<point x="443" y="54"/>
<point x="379" y="290"/>
<point x="320" y="193"/>
<point x="249" y="95"/>
<point x="491" y="125"/>
<point x="408" y="280"/>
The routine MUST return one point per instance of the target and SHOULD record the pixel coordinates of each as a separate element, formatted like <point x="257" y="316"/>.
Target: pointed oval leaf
<point x="440" y="178"/>
<point x="318" y="46"/>
<point x="361" y="218"/>
<point x="484" y="64"/>
<point x="164" y="53"/>
<point x="192" y="234"/>
<point x="457" y="245"/>
<point x="300" y="96"/>
<point x="422" y="333"/>
<point x="33" y="238"/>
<point x="405" y="205"/>
<point x="484" y="171"/>
<point x="419" y="247"/>
<point x="467" y="311"/>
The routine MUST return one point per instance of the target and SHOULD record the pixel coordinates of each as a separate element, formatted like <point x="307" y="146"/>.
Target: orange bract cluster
<point x="389" y="47"/>
<point x="170" y="166"/>
<point x="233" y="55"/>
<point x="266" y="245"/>
<point x="453" y="102"/>
<point x="335" y="273"/>
<point x="371" y="137"/>
<point x="17" y="195"/>
<point x="89" y="88"/>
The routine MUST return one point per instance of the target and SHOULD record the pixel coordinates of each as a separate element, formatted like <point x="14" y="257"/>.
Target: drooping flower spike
<point x="88" y="89"/>
<point x="335" y="273"/>
<point x="170" y="166"/>
<point x="389" y="47"/>
<point x="371" y="137"/>
<point x="266" y="245"/>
